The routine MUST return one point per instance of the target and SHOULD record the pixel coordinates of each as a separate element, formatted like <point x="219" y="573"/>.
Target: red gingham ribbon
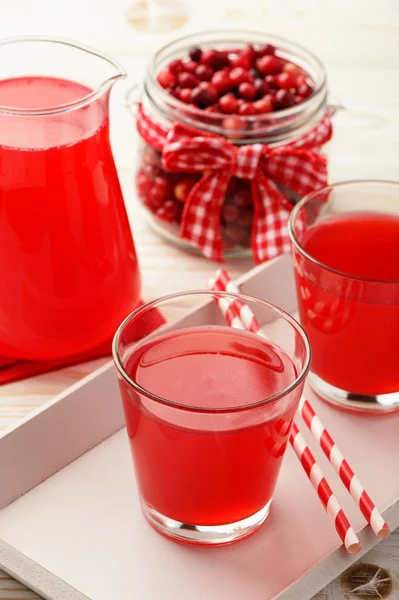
<point x="294" y="165"/>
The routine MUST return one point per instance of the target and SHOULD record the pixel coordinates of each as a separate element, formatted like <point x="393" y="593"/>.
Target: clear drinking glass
<point x="208" y="412"/>
<point x="345" y="244"/>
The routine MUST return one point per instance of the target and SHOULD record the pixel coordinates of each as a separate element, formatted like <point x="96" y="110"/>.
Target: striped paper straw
<point x="320" y="433"/>
<point x="303" y="453"/>
<point x="327" y="498"/>
<point x="347" y="476"/>
<point x="223" y="283"/>
<point x="229" y="312"/>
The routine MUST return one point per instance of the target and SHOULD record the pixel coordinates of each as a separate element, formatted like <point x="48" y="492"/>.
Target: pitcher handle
<point x="132" y="99"/>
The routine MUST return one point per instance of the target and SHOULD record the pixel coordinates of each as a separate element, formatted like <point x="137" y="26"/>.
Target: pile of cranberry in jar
<point x="245" y="81"/>
<point x="237" y="85"/>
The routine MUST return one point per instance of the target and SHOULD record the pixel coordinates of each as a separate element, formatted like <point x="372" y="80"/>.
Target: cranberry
<point x="175" y="92"/>
<point x="269" y="64"/>
<point x="271" y="82"/>
<point x="234" y="127"/>
<point x="242" y="61"/>
<point x="245" y="217"/>
<point x="246" y="109"/>
<point x="195" y="54"/>
<point x="286" y="81"/>
<point x="291" y="68"/>
<point x="204" y="95"/>
<point x="228" y="244"/>
<point x="230" y="213"/>
<point x="209" y="87"/>
<point x="284" y="99"/>
<point x="255" y="74"/>
<point x="250" y="52"/>
<point x="176" y="66"/>
<point x="236" y="233"/>
<point x="169" y="211"/>
<point x="242" y="197"/>
<point x="160" y="190"/>
<point x="187" y="80"/>
<point x="305" y="90"/>
<point x="183" y="188"/>
<point x="166" y="79"/>
<point x="261" y="87"/>
<point x="228" y="104"/>
<point x="266" y="50"/>
<point x="234" y="124"/>
<point x="300" y="80"/>
<point x="144" y="184"/>
<point x="222" y="60"/>
<point x="190" y="66"/>
<point x="238" y="75"/>
<point x="185" y="95"/>
<point x="213" y="58"/>
<point x="152" y="157"/>
<point x="151" y="170"/>
<point x="204" y="72"/>
<point x="264" y="105"/>
<point x="221" y="81"/>
<point x="247" y="91"/>
<point x="212" y="109"/>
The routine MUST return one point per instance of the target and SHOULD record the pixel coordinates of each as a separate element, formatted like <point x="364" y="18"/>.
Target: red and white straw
<point x="229" y="311"/>
<point x="240" y="310"/>
<point x="327" y="498"/>
<point x="223" y="283"/>
<point x="327" y="444"/>
<point x="347" y="476"/>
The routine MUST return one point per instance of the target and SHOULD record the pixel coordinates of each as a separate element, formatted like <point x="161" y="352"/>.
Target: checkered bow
<point x="295" y="166"/>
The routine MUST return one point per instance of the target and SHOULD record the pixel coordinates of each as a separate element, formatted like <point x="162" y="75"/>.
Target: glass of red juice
<point x="345" y="245"/>
<point x="67" y="256"/>
<point x="208" y="412"/>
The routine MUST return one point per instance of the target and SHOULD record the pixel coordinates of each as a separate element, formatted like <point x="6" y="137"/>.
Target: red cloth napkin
<point x="14" y="370"/>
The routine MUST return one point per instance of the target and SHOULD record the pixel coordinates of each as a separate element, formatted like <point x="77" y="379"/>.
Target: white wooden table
<point x="359" y="43"/>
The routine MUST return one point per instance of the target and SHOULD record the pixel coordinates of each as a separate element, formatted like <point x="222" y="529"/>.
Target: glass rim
<point x="315" y="103"/>
<point x="205" y="293"/>
<point x="120" y="73"/>
<point x="295" y="242"/>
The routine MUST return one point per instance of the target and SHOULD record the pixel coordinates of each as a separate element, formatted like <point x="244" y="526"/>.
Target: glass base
<point x="381" y="403"/>
<point x="205" y="535"/>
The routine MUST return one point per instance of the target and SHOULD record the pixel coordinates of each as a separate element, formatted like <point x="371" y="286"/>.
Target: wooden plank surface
<point x="359" y="43"/>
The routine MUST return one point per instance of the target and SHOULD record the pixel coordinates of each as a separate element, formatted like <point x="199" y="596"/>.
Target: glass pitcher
<point x="68" y="265"/>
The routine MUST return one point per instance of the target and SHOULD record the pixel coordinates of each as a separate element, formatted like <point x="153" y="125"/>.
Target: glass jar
<point x="162" y="193"/>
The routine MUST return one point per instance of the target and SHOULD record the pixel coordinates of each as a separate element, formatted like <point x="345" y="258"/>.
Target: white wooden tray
<point x="70" y="521"/>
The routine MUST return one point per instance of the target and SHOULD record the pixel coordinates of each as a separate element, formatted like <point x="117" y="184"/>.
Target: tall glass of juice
<point x="208" y="411"/>
<point x="345" y="244"/>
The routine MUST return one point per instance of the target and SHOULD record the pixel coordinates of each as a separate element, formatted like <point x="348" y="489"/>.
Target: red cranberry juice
<point x="208" y="468"/>
<point x="353" y="325"/>
<point x="68" y="268"/>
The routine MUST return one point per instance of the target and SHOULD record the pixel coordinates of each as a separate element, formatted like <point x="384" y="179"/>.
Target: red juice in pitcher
<point x="68" y="267"/>
<point x="353" y="322"/>
<point x="208" y="468"/>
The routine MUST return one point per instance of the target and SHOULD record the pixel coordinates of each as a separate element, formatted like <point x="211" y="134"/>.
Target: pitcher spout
<point x="115" y="71"/>
<point x="59" y="60"/>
